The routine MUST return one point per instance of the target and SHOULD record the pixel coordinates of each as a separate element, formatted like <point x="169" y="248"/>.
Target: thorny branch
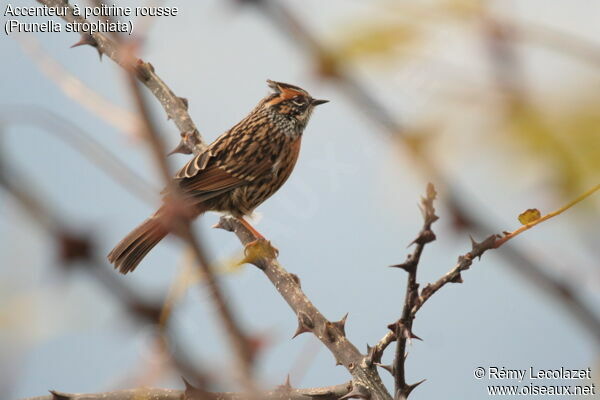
<point x="175" y="107"/>
<point x="366" y="382"/>
<point x="403" y="327"/>
<point x="283" y="392"/>
<point x="401" y="331"/>
<point x="328" y="68"/>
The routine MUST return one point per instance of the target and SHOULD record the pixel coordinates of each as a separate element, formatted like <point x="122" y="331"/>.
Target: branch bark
<point x="366" y="381"/>
<point x="280" y="393"/>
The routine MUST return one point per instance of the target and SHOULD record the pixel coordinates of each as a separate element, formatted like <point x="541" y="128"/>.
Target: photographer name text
<point x="503" y="373"/>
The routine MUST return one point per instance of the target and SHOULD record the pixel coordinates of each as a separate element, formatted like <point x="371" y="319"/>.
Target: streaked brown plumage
<point x="237" y="172"/>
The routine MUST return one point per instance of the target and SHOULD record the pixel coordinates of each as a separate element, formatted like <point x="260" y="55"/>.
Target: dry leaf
<point x="529" y="216"/>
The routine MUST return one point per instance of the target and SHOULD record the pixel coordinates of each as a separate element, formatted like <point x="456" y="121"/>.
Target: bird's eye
<point x="300" y="102"/>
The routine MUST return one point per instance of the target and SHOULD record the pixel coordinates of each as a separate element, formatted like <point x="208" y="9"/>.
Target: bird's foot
<point x="259" y="249"/>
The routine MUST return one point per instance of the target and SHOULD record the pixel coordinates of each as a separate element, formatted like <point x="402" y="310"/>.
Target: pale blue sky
<point x="347" y="212"/>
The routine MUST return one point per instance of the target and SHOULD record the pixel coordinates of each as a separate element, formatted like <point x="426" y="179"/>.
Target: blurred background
<point x="495" y="102"/>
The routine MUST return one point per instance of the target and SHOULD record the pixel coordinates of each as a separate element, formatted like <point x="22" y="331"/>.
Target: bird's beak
<point x="316" y="102"/>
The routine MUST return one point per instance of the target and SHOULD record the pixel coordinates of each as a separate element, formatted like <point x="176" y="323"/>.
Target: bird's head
<point x="291" y="101"/>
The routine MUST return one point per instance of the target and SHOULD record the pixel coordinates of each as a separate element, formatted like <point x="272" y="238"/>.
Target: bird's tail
<point x="130" y="251"/>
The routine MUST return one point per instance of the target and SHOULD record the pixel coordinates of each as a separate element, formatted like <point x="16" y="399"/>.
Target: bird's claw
<point x="259" y="249"/>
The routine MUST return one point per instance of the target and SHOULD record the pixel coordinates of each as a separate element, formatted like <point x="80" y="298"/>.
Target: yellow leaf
<point x="529" y="216"/>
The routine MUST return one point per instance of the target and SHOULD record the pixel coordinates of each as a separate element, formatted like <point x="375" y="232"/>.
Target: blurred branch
<point x="366" y="381"/>
<point x="74" y="88"/>
<point x="175" y="107"/>
<point x="284" y="392"/>
<point x="82" y="142"/>
<point x="519" y="260"/>
<point x="240" y="343"/>
<point x="560" y="41"/>
<point x="76" y="249"/>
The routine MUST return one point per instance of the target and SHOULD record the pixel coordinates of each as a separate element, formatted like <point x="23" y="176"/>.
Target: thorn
<point x="185" y="102"/>
<point x="337" y="362"/>
<point x="388" y="367"/>
<point x="188" y="385"/>
<point x="286" y="387"/>
<point x="224" y="224"/>
<point x="474" y="244"/>
<point x="357" y="392"/>
<point x="408" y="334"/>
<point x="456" y="278"/>
<point x="150" y="66"/>
<point x="477" y="249"/>
<point x="341" y="324"/>
<point x="59" y="395"/>
<point x="425" y="236"/>
<point x="305" y="324"/>
<point x="409" y="265"/>
<point x="142" y="69"/>
<point x="300" y="330"/>
<point x="296" y="279"/>
<point x="393" y="326"/>
<point x="192" y="391"/>
<point x="409" y="388"/>
<point x="372" y="356"/>
<point x="181" y="148"/>
<point x="87" y="39"/>
<point x="287" y="381"/>
<point x="218" y="225"/>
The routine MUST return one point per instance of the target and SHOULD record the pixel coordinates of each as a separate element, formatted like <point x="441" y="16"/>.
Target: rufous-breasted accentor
<point x="241" y="169"/>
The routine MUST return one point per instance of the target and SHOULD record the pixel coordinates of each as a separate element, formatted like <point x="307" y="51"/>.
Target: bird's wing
<point x="198" y="163"/>
<point x="203" y="175"/>
<point x="230" y="161"/>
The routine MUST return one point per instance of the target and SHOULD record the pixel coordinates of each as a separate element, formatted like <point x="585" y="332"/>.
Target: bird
<point x="235" y="174"/>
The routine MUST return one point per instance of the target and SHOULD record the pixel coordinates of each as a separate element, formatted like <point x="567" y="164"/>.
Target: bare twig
<point x="491" y="242"/>
<point x="366" y="380"/>
<point x="401" y="331"/>
<point x="453" y="276"/>
<point x="530" y="225"/>
<point x="375" y="352"/>
<point x="403" y="327"/>
<point x="175" y="107"/>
